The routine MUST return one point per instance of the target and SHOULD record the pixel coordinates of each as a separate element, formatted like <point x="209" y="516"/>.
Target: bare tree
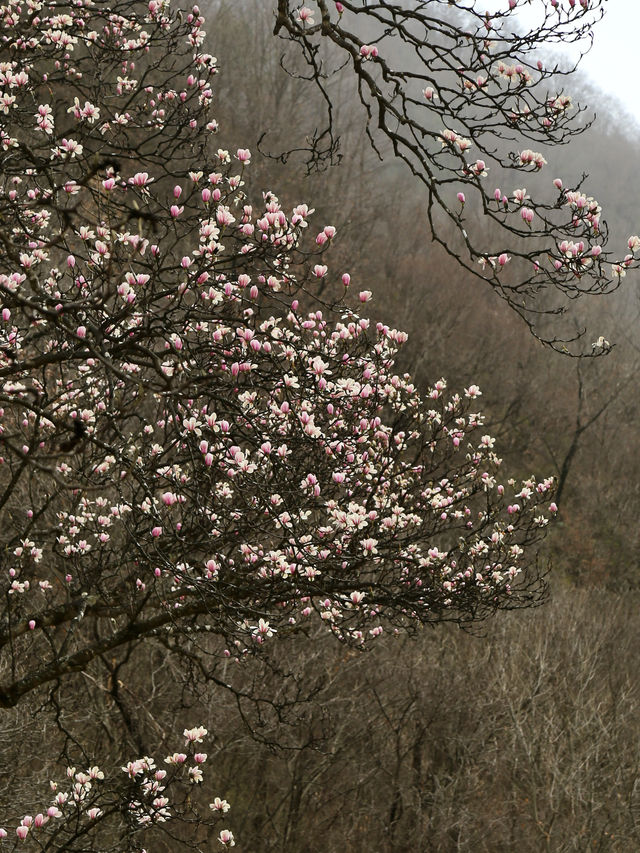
<point x="457" y="92"/>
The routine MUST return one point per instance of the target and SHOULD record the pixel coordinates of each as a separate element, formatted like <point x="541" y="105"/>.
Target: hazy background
<point x="523" y="735"/>
<point x="611" y="64"/>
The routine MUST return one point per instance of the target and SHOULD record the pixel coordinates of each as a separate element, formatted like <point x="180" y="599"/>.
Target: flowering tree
<point x="90" y="807"/>
<point x="204" y="444"/>
<point x="461" y="93"/>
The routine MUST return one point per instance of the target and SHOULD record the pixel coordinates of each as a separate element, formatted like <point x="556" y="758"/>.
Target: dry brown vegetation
<point x="522" y="737"/>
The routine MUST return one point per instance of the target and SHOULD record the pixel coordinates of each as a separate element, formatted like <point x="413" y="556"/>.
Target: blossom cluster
<point x="88" y="798"/>
<point x="202" y="430"/>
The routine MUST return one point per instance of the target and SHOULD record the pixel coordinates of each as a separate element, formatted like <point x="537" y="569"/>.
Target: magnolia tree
<point x="204" y="445"/>
<point x="462" y="92"/>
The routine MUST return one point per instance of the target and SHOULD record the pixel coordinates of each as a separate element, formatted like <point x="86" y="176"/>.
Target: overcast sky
<point x="614" y="61"/>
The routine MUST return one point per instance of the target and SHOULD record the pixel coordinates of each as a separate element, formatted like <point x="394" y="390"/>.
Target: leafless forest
<point x="516" y="732"/>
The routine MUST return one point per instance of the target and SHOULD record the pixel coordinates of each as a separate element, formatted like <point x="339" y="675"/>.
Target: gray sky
<point x="613" y="63"/>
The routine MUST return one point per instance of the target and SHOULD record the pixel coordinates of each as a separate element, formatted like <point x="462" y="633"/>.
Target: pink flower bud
<point x="346" y="279"/>
<point x="461" y="198"/>
<point x="157" y="531"/>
